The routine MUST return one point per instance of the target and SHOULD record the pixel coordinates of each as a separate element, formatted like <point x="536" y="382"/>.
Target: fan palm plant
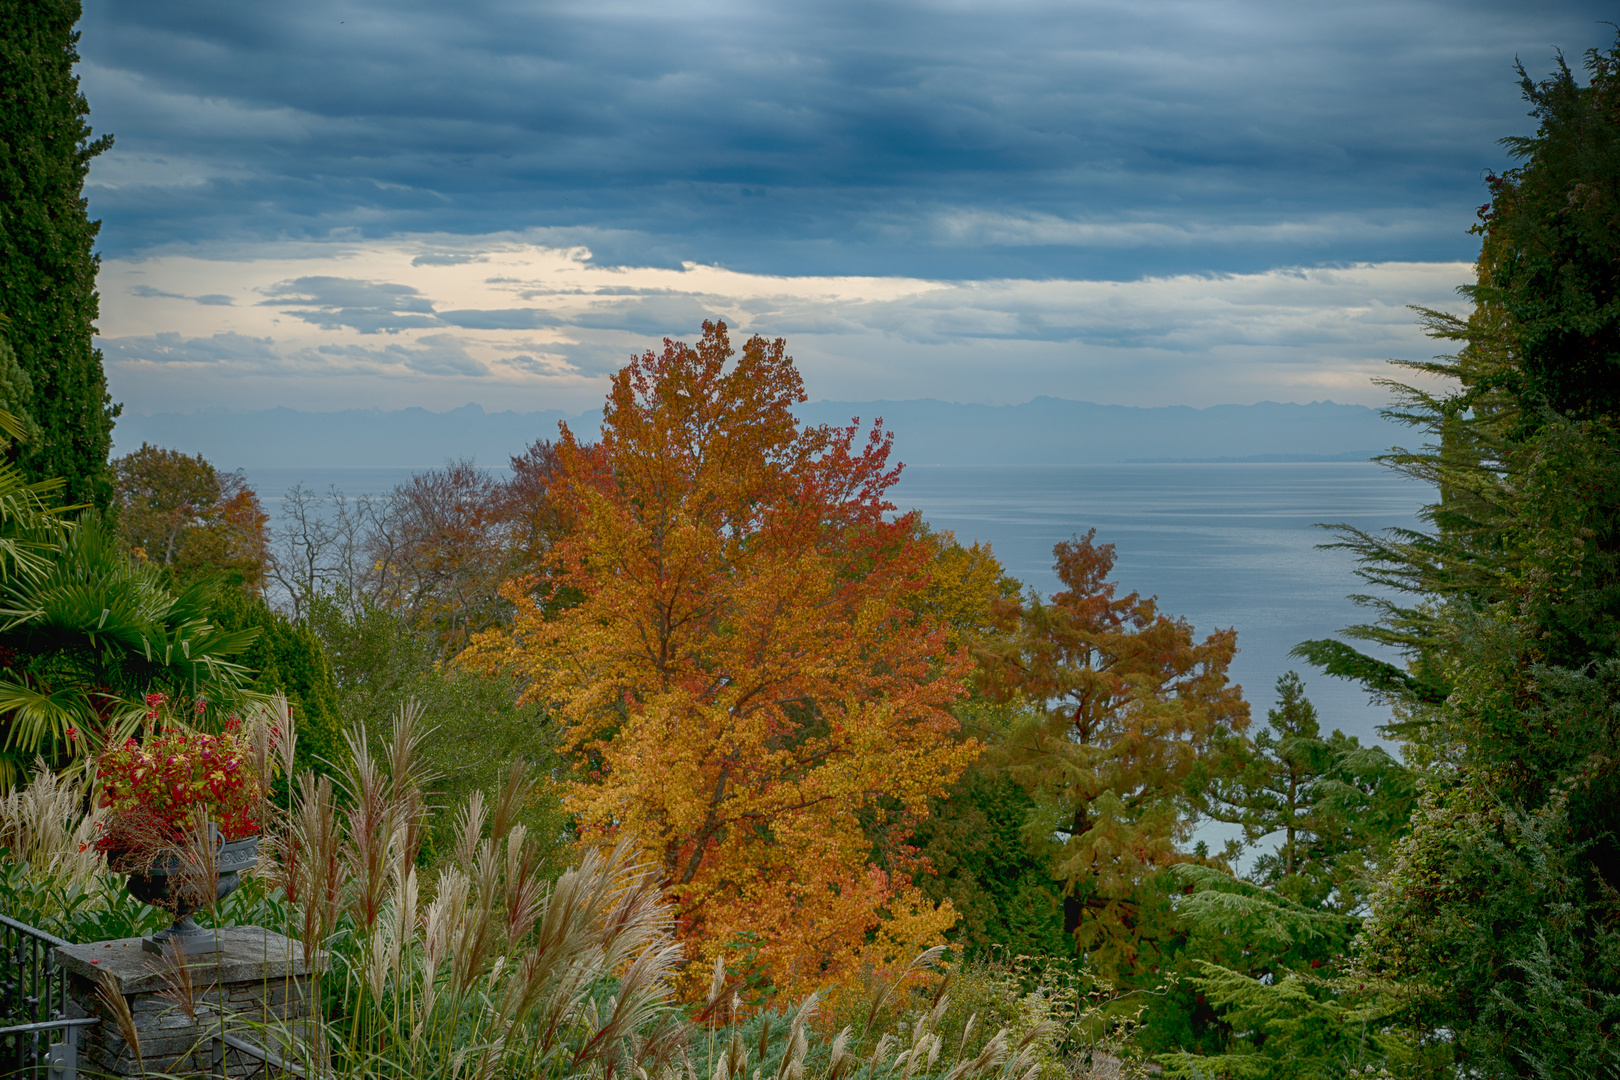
<point x="86" y="632"/>
<point x="30" y="525"/>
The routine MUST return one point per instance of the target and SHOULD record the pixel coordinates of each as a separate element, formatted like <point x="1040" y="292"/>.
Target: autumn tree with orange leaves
<point x="744" y="675"/>
<point x="1126" y="704"/>
<point x="189" y="517"/>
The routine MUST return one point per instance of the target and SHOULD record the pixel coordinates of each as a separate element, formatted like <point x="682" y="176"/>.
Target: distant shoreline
<point x="1263" y="459"/>
<point x="1041" y="431"/>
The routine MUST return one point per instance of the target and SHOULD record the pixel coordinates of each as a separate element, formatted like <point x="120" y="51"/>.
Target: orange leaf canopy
<point x="743" y="680"/>
<point x="1129" y="705"/>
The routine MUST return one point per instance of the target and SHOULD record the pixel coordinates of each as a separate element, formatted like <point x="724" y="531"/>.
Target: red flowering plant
<point x="154" y="790"/>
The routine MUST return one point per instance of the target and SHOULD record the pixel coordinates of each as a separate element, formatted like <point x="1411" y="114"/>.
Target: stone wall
<point x="256" y="987"/>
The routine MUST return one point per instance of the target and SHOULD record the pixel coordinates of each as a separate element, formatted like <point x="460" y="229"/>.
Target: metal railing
<point x="237" y="1058"/>
<point x="28" y="1050"/>
<point x="32" y="988"/>
<point x="33" y="1006"/>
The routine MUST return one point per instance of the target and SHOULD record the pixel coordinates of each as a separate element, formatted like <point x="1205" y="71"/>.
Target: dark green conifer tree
<point x="973" y="840"/>
<point x="1270" y="958"/>
<point x="1499" y="910"/>
<point x="16" y="402"/>
<point x="47" y="267"/>
<point x="1557" y="219"/>
<point x="1332" y="806"/>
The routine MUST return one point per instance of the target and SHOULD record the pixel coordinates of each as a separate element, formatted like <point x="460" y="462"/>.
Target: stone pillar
<point x="256" y="987"/>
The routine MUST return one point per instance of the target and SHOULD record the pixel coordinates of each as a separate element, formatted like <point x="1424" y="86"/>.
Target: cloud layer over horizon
<point x="1123" y="202"/>
<point x="507" y="323"/>
<point x="938" y="139"/>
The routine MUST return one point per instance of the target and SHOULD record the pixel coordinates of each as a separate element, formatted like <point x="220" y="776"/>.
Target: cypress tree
<point x="1333" y="806"/>
<point x="47" y="268"/>
<point x="1498" y="908"/>
<point x="1555" y="219"/>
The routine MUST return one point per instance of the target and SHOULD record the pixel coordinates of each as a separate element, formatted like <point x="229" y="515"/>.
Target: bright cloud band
<point x="510" y="323"/>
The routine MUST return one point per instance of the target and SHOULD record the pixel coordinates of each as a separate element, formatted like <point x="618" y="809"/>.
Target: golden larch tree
<point x="743" y="678"/>
<point x="1126" y="705"/>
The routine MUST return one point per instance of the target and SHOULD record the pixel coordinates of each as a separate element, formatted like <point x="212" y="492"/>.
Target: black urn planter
<point x="152" y="887"/>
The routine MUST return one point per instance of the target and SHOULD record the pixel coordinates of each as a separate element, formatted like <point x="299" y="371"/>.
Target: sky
<point x="399" y="203"/>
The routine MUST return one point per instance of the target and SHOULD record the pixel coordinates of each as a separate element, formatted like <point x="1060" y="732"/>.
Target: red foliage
<point x="160" y="783"/>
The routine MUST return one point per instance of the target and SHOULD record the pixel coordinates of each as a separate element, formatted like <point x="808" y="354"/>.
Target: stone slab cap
<point x="246" y="954"/>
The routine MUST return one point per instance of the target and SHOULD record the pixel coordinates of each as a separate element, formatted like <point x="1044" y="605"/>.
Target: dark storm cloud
<point x="147" y="292"/>
<point x="943" y="140"/>
<point x="498" y="319"/>
<point x="370" y="307"/>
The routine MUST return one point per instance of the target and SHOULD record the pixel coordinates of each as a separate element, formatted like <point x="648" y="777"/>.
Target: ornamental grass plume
<point x="385" y="814"/>
<point x="500" y="973"/>
<point x="181" y="988"/>
<point x="44" y="825"/>
<point x="307" y="861"/>
<point x="479" y="967"/>
<point x="116" y="1006"/>
<point x="447" y="992"/>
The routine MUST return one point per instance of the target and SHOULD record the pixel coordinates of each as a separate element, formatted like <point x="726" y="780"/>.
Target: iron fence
<point x="32" y="988"/>
<point x="36" y="1037"/>
<point x="239" y="1059"/>
<point x="30" y="1052"/>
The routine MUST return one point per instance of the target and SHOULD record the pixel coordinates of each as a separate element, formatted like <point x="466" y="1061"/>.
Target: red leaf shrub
<point x="161" y="782"/>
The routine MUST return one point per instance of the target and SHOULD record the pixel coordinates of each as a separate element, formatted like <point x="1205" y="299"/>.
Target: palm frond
<point x="36" y="715"/>
<point x="30" y="525"/>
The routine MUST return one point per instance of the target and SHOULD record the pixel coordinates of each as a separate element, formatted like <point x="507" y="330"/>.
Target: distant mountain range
<point x="1045" y="431"/>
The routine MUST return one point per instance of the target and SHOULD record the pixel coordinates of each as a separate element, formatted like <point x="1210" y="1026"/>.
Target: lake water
<point x="1219" y="544"/>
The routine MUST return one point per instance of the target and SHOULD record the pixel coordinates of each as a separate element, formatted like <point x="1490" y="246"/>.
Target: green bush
<point x="288" y="658"/>
<point x="475" y="726"/>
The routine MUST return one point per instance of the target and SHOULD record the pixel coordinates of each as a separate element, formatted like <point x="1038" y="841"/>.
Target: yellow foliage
<point x="968" y="592"/>
<point x="744" y="682"/>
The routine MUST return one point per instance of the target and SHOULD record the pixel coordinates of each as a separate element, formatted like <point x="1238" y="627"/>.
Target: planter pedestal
<point x="250" y="983"/>
<point x="153" y="887"/>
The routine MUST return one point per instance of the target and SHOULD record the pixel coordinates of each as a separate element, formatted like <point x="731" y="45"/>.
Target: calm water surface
<point x="1220" y="545"/>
